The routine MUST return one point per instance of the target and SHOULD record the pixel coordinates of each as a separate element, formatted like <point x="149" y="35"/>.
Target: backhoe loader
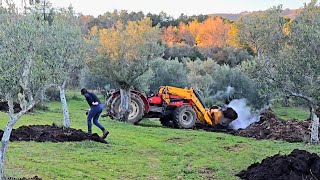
<point x="175" y="107"/>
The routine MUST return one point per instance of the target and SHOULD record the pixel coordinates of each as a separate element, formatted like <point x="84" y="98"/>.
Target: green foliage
<point x="200" y="76"/>
<point x="180" y="52"/>
<point x="21" y="66"/>
<point x="144" y="82"/>
<point x="213" y="81"/>
<point x="295" y="71"/>
<point x="244" y="86"/>
<point x="90" y="81"/>
<point x="263" y="31"/>
<point x="52" y="94"/>
<point x="228" y="55"/>
<point x="64" y="47"/>
<point x="154" y="152"/>
<point x="167" y="73"/>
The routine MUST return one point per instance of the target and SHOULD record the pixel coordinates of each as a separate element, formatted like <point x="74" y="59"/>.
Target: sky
<point x="175" y="7"/>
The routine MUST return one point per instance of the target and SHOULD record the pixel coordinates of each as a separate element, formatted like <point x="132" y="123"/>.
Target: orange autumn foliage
<point x="213" y="32"/>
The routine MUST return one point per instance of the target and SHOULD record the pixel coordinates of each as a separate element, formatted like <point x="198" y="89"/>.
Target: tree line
<point x="47" y="50"/>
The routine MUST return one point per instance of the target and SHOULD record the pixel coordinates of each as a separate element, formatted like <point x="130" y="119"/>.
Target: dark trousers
<point x="94" y="114"/>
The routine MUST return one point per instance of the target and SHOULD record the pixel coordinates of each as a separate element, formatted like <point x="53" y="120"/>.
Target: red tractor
<point x="175" y="107"/>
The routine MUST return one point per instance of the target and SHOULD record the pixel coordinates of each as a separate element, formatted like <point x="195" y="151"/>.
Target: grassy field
<point x="146" y="151"/>
<point x="291" y="113"/>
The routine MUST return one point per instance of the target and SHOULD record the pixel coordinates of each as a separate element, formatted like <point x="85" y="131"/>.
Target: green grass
<point x="146" y="151"/>
<point x="287" y="113"/>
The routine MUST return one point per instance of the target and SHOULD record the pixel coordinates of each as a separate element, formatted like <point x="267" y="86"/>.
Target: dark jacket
<point x="90" y="97"/>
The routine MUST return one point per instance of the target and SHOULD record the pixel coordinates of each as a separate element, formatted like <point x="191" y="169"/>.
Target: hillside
<point x="291" y="13"/>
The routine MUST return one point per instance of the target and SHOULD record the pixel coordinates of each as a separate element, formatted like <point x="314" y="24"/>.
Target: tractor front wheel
<point x="185" y="117"/>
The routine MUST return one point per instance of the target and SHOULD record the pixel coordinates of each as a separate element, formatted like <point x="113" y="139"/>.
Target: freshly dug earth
<point x="271" y="127"/>
<point x="42" y="133"/>
<point x="298" y="165"/>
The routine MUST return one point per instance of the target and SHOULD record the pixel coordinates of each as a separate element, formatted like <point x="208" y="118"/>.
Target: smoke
<point x="224" y="94"/>
<point x="245" y="114"/>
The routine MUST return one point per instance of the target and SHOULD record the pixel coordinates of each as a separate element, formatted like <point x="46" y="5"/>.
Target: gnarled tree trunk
<point x="124" y="103"/>
<point x="8" y="130"/>
<point x="66" y="119"/>
<point x="314" y="139"/>
<point x="314" y="126"/>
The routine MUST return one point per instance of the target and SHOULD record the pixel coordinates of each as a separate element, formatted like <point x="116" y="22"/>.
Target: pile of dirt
<point x="299" y="164"/>
<point x="4" y="107"/>
<point x="42" y="133"/>
<point x="271" y="127"/>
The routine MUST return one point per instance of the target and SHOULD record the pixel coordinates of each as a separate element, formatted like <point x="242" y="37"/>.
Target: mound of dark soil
<point x="298" y="165"/>
<point x="270" y="127"/>
<point x="42" y="133"/>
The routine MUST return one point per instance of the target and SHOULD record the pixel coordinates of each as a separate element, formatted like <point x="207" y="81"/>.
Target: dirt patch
<point x="176" y="140"/>
<point x="42" y="133"/>
<point x="236" y="147"/>
<point x="206" y="173"/>
<point x="271" y="127"/>
<point x="299" y="164"/>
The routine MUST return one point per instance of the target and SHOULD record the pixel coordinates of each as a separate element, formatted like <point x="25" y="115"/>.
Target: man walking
<point x="96" y="108"/>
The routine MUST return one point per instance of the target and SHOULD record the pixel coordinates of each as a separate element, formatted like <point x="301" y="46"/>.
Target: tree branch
<point x="309" y="99"/>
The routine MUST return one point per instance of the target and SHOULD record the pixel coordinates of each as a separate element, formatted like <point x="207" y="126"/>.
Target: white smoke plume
<point x="224" y="94"/>
<point x="245" y="114"/>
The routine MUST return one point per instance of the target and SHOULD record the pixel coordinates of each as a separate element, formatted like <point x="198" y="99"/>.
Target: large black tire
<point x="136" y="109"/>
<point x="185" y="117"/>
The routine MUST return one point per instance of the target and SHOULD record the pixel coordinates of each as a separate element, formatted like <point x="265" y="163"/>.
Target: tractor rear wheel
<point x="136" y="108"/>
<point x="185" y="117"/>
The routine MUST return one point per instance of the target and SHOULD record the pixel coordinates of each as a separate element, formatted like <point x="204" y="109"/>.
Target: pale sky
<point x="175" y="7"/>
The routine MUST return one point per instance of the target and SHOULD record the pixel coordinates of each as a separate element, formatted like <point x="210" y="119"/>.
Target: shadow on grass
<point x="150" y="123"/>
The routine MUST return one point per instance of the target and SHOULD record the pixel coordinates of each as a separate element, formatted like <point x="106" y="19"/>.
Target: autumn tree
<point x="185" y="35"/>
<point x="170" y="36"/>
<point x="124" y="54"/>
<point x="233" y="36"/>
<point x="212" y="33"/>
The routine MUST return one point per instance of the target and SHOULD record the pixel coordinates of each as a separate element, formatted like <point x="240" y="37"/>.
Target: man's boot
<point x="105" y="134"/>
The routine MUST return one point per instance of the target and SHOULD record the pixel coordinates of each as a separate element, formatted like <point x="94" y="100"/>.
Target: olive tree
<point x="200" y="76"/>
<point x="64" y="50"/>
<point x="296" y="70"/>
<point x="124" y="54"/>
<point x="167" y="73"/>
<point x="262" y="31"/>
<point x="22" y="72"/>
<point x="213" y="79"/>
